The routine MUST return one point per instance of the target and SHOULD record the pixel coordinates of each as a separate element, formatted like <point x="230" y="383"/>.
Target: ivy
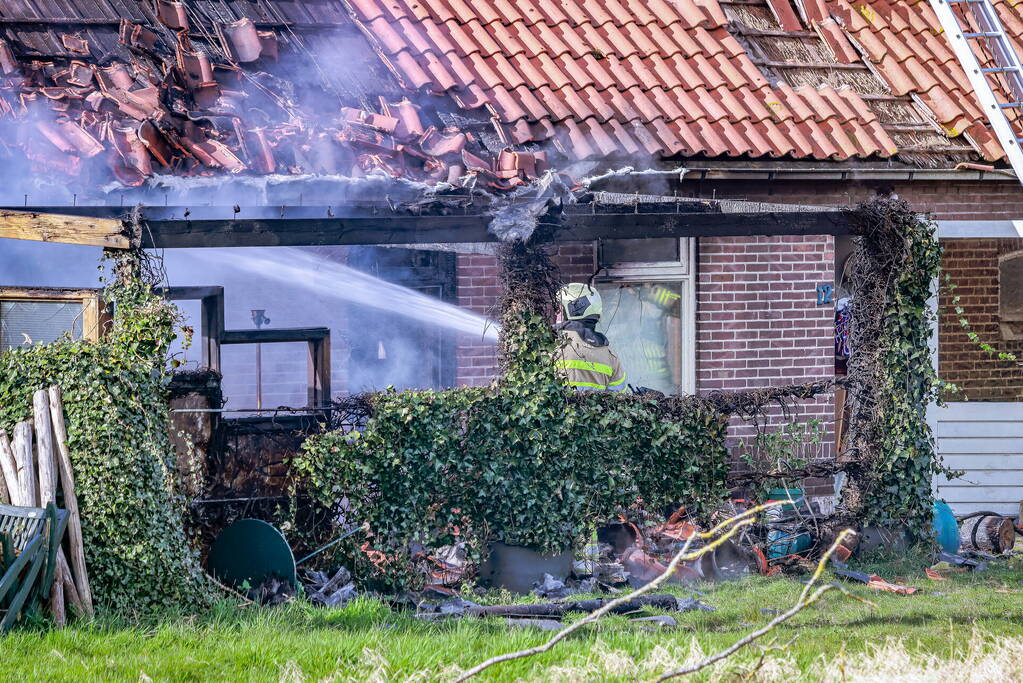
<point x="892" y="369"/>
<point x="116" y="409"/>
<point x="972" y="335"/>
<point x="525" y="461"/>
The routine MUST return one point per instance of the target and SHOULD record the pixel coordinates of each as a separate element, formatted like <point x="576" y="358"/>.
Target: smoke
<point x="327" y="280"/>
<point x="381" y="333"/>
<point x="272" y="190"/>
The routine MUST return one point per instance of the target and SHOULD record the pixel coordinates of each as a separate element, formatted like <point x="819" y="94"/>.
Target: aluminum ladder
<point x="986" y="54"/>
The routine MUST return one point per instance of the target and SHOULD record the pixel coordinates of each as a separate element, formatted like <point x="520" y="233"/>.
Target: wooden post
<point x="26" y="467"/>
<point x="9" y="469"/>
<point x="44" y="448"/>
<point x="57" y="603"/>
<point x="48" y="491"/>
<point x="70" y="590"/>
<point x="67" y="481"/>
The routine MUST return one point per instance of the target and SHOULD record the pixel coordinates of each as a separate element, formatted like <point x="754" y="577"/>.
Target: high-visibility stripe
<point x="621" y="381"/>
<point x="584" y="365"/>
<point x="587" y="385"/>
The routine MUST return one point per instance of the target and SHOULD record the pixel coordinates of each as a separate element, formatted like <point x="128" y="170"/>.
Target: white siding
<point x="985" y="440"/>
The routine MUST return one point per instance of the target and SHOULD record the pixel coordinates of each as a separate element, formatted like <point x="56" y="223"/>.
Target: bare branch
<point x="727" y="529"/>
<point x="805" y="600"/>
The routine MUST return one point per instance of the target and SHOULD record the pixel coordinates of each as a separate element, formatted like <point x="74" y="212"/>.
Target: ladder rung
<point x="1000" y="69"/>
<point x="1011" y="105"/>
<point x="988" y="34"/>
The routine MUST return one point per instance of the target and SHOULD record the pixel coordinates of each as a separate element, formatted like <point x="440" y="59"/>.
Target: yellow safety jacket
<point x="586" y="366"/>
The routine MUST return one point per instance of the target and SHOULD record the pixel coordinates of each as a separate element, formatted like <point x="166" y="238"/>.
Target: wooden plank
<point x="980" y="430"/>
<point x="275" y="335"/>
<point x="49" y="227"/>
<point x="982" y="461"/>
<point x="46" y="463"/>
<point x="981" y="477"/>
<point x="178" y="233"/>
<point x="981" y="410"/>
<point x="978" y="494"/>
<point x="67" y="480"/>
<point x="976" y="445"/>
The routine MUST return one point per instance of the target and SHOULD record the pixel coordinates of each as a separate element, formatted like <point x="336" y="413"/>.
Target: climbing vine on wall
<point x="892" y="379"/>
<point x="115" y="402"/>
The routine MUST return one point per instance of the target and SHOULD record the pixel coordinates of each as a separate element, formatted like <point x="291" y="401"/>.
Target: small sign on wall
<point x="825" y="294"/>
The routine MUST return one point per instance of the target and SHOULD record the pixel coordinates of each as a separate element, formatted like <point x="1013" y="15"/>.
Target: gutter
<point x="969" y="172"/>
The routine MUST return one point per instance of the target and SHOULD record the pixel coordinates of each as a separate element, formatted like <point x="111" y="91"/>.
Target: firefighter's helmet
<point x="579" y="301"/>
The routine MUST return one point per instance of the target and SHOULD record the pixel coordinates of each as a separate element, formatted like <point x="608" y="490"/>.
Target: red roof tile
<point x="904" y="41"/>
<point x="607" y="77"/>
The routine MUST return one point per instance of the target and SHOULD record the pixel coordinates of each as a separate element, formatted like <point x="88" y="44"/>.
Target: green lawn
<point x="367" y="641"/>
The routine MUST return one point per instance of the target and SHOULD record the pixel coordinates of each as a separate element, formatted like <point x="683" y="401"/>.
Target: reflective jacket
<point x="585" y="359"/>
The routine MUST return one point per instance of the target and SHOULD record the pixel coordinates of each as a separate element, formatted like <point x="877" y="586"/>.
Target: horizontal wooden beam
<point x="274" y="335"/>
<point x="177" y="227"/>
<point x="63" y="228"/>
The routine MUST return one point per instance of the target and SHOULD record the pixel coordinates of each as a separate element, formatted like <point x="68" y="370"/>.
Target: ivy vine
<point x="115" y="401"/>
<point x="525" y="461"/>
<point x="892" y="375"/>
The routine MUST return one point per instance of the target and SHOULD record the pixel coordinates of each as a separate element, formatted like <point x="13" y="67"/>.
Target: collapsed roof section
<point x="437" y="90"/>
<point x="139" y="88"/>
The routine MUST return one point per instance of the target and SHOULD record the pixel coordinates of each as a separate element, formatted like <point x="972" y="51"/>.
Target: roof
<point x="687" y="77"/>
<point x="433" y="90"/>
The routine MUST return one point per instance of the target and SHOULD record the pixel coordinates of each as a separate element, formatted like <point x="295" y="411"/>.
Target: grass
<point x="841" y="639"/>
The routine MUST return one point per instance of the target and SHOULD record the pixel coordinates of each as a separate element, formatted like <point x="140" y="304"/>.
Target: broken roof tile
<point x="172" y="14"/>
<point x="241" y="40"/>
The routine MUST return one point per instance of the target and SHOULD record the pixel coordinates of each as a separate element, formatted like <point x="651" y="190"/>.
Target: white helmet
<point x="579" y="301"/>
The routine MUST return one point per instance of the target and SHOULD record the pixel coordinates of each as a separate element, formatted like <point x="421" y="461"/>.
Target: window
<point x="1010" y="296"/>
<point x="40" y="316"/>
<point x="649" y="310"/>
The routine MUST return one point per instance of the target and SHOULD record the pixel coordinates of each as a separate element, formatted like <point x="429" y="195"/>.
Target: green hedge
<point x="115" y="402"/>
<point x="526" y="461"/>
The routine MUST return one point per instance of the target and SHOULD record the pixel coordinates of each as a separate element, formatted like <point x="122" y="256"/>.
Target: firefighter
<point x="584" y="358"/>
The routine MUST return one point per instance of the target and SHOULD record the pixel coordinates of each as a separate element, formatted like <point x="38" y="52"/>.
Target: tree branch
<point x="727" y="529"/>
<point x="805" y="600"/>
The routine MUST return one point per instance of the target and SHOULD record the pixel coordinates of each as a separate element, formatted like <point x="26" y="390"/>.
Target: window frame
<point x="682" y="272"/>
<point x="94" y="314"/>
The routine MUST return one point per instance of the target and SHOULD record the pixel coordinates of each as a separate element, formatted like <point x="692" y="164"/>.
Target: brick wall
<point x="479" y="289"/>
<point x="972" y="265"/>
<point x="758" y="324"/>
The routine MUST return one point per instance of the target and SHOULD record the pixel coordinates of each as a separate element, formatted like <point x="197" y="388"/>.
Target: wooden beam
<point x="49" y="227"/>
<point x="292" y="226"/>
<point x="275" y="335"/>
<point x="265" y="232"/>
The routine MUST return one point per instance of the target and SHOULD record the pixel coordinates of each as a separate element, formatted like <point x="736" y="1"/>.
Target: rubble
<point x="329" y="591"/>
<point x="216" y="100"/>
<point x="273" y="590"/>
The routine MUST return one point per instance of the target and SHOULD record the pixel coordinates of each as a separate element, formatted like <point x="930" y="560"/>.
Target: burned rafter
<point x="365" y="224"/>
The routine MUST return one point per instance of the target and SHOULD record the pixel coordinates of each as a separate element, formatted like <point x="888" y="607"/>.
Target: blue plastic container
<point x="946" y="528"/>
<point x="781" y="543"/>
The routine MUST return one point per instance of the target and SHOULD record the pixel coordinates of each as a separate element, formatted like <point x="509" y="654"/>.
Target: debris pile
<point x="187" y="96"/>
<point x="329" y="590"/>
